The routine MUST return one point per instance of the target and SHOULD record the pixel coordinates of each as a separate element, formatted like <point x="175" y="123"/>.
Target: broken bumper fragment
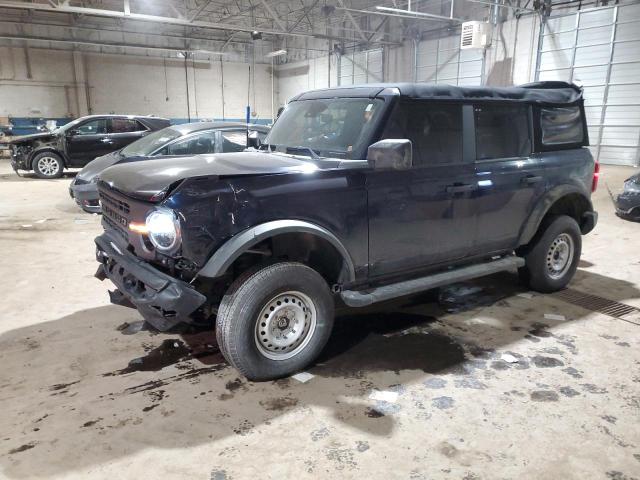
<point x="86" y="196"/>
<point x="162" y="300"/>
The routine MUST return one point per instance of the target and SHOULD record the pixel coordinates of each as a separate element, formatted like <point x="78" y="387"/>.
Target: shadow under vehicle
<point x="358" y="196"/>
<point x="78" y="142"/>
<point x="175" y="141"/>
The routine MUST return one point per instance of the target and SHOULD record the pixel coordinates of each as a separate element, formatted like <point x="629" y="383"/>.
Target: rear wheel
<point x="48" y="165"/>
<point x="275" y="321"/>
<point x="553" y="255"/>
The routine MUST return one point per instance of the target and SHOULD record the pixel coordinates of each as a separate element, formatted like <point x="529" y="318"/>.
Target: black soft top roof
<point x="543" y="93"/>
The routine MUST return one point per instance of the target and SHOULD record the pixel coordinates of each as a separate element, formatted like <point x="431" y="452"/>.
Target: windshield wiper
<point x="311" y="152"/>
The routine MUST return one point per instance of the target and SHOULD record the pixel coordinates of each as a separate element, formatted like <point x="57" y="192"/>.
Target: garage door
<point x="361" y="67"/>
<point x="599" y="49"/>
<point x="440" y="60"/>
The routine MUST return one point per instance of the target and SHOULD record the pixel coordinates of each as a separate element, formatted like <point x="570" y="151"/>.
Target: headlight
<point x="163" y="228"/>
<point x="631" y="186"/>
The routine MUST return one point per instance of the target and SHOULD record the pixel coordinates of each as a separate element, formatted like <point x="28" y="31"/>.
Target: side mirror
<point x="254" y="140"/>
<point x="391" y="154"/>
<point x="73" y="133"/>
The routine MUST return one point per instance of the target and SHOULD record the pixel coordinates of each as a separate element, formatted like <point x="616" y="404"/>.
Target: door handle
<point x="106" y="140"/>
<point x="459" y="188"/>
<point x="531" y="179"/>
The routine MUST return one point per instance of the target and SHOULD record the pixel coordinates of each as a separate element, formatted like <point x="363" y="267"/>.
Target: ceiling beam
<point x="120" y="14"/>
<point x="353" y="21"/>
<point x="274" y="15"/>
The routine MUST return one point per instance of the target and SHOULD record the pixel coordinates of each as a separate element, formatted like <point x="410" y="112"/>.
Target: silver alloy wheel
<point x="560" y="256"/>
<point x="285" y="325"/>
<point x="48" y="166"/>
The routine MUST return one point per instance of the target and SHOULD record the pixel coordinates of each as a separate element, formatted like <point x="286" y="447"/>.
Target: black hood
<point x="145" y="180"/>
<point x="33" y="136"/>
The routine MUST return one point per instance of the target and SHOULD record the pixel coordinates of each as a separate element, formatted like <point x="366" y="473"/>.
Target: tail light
<point x="596" y="176"/>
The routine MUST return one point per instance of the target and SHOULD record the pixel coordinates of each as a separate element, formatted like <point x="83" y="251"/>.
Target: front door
<point x="510" y="180"/>
<point x="87" y="141"/>
<point x="425" y="215"/>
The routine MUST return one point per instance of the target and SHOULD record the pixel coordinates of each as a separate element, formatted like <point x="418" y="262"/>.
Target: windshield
<point x="337" y="127"/>
<point x="150" y="143"/>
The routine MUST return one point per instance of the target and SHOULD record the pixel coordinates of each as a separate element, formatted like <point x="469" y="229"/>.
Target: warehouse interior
<point x="483" y="378"/>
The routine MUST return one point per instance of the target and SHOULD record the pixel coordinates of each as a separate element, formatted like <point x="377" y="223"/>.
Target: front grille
<point x="115" y="213"/>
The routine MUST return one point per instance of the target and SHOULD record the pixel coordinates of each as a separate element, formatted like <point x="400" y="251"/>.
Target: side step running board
<point x="366" y="297"/>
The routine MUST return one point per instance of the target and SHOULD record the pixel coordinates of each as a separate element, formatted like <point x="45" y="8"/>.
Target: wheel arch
<point x="298" y="237"/>
<point x="562" y="200"/>
<point x="48" y="149"/>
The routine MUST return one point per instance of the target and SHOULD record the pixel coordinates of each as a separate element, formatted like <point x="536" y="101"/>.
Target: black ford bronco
<point x="358" y="195"/>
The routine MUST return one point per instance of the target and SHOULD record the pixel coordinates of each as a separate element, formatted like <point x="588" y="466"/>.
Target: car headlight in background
<point x="632" y="185"/>
<point x="163" y="229"/>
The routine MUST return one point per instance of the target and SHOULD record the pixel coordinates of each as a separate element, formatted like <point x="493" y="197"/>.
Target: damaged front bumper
<point x="162" y="300"/>
<point x="86" y="196"/>
<point x="628" y="205"/>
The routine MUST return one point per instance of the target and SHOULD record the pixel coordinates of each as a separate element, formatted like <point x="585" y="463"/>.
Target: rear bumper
<point x="161" y="299"/>
<point x="86" y="196"/>
<point x="589" y="221"/>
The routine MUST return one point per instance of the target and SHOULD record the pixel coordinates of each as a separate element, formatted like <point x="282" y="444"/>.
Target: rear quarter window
<point x="561" y="126"/>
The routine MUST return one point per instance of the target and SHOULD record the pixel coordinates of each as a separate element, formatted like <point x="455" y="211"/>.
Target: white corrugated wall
<point x="600" y="49"/>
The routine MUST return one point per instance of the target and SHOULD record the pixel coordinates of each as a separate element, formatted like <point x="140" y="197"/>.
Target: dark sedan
<point x="78" y="142"/>
<point x="178" y="140"/>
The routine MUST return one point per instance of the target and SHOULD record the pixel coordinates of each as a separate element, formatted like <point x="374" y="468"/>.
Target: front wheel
<point x="552" y="256"/>
<point x="48" y="165"/>
<point x="275" y="321"/>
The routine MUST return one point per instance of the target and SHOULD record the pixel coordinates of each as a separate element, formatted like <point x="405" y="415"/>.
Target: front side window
<point x="234" y="140"/>
<point x="435" y="131"/>
<point x="92" y="127"/>
<point x="126" y="125"/>
<point x="502" y="131"/>
<point x="197" y="144"/>
<point x="338" y="127"/>
<point x="561" y="125"/>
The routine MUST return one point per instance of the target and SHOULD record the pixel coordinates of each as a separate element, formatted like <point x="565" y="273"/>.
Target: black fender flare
<point x="544" y="204"/>
<point x="224" y="256"/>
<point x="50" y="149"/>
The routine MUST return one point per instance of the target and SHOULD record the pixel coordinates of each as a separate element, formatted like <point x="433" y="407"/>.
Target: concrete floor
<point x="73" y="406"/>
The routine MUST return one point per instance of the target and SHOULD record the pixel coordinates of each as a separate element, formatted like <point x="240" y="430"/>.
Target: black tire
<point x="544" y="270"/>
<point x="47" y="165"/>
<point x="252" y="297"/>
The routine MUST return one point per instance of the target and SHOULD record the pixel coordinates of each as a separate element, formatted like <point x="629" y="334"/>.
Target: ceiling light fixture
<point x="276" y="53"/>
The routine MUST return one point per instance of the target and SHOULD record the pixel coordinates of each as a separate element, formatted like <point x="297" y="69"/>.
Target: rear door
<point x="422" y="216"/>
<point x="123" y="131"/>
<point x="510" y="179"/>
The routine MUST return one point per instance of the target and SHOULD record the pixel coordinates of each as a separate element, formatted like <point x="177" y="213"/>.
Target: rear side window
<point x="435" y="130"/>
<point x="502" y="131"/>
<point x="561" y="125"/>
<point x="234" y="140"/>
<point x="126" y="125"/>
<point x="196" y="144"/>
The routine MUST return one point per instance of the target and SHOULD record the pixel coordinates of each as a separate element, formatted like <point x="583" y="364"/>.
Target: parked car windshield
<point x="337" y="127"/>
<point x="150" y="143"/>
